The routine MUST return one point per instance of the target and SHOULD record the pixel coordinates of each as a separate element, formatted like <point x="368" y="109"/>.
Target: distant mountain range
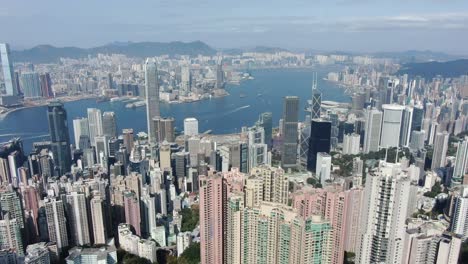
<point x="48" y="53"/>
<point x="431" y="69"/>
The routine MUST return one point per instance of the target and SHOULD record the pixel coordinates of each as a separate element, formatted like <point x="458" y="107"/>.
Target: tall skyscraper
<point x="77" y="217"/>
<point x="418" y="115"/>
<point x="56" y="223"/>
<point x="190" y="126"/>
<point x="213" y="200"/>
<point x="391" y="125"/>
<point x="440" y="149"/>
<point x="80" y="128"/>
<point x="319" y="141"/>
<point x="384" y="212"/>
<point x="128" y="138"/>
<point x="372" y="130"/>
<point x="95" y="124"/>
<point x="290" y="131"/>
<point x="8" y="71"/>
<point x="459" y="224"/>
<point x="406" y="126"/>
<point x="164" y="129"/>
<point x="60" y="139"/>
<point x="31" y="85"/>
<point x="316" y="106"/>
<point x="132" y="211"/>
<point x="109" y="124"/>
<point x="461" y="162"/>
<point x="185" y="79"/>
<point x="265" y="120"/>
<point x="10" y="202"/>
<point x="98" y="220"/>
<point x="152" y="95"/>
<point x="219" y="74"/>
<point x="46" y="85"/>
<point x="10" y="235"/>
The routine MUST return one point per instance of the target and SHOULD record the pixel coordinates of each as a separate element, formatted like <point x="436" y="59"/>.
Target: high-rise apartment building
<point x="59" y="136"/>
<point x="152" y="95"/>
<point x="46" y="85"/>
<point x="77" y="218"/>
<point x="80" y="128"/>
<point x="461" y="162"/>
<point x="109" y="124"/>
<point x="10" y="235"/>
<point x="351" y="144"/>
<point x="31" y="85"/>
<point x="164" y="129"/>
<point x="98" y="220"/>
<point x="190" y="126"/>
<point x="56" y="223"/>
<point x="290" y="131"/>
<point x="132" y="211"/>
<point x="459" y="224"/>
<point x="213" y="200"/>
<point x="440" y="149"/>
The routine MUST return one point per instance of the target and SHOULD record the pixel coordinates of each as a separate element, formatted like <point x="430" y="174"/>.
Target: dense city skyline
<point x="346" y="25"/>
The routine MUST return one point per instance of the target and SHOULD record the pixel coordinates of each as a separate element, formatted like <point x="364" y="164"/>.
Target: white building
<point x="459" y="223"/>
<point x="323" y="167"/>
<point x="80" y="128"/>
<point x="190" y="126"/>
<point x="95" y="124"/>
<point x="372" y="130"/>
<point x="391" y="125"/>
<point x="351" y="144"/>
<point x="184" y="239"/>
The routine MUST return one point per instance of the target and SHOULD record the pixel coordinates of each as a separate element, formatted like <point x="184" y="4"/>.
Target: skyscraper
<point x="31" y="85"/>
<point x="98" y="220"/>
<point x="95" y="124"/>
<point x="185" y="79"/>
<point x="391" y="125"/>
<point x="60" y="139"/>
<point x="351" y="144"/>
<point x="316" y="106"/>
<point x="80" y="128"/>
<point x="213" y="200"/>
<point x="406" y="126"/>
<point x="132" y="211"/>
<point x="10" y="202"/>
<point x="440" y="149"/>
<point x="384" y="212"/>
<point x="459" y="224"/>
<point x="109" y="124"/>
<point x="265" y="120"/>
<point x="77" y="217"/>
<point x="290" y="131"/>
<point x="164" y="129"/>
<point x="46" y="85"/>
<point x="8" y="72"/>
<point x="372" y="130"/>
<point x="152" y="95"/>
<point x="461" y="162"/>
<point x="128" y="138"/>
<point x="190" y="126"/>
<point x="56" y="223"/>
<point x="319" y="141"/>
<point x="10" y="235"/>
<point x="323" y="167"/>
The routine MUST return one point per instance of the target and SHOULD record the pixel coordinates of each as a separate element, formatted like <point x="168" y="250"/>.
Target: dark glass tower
<point x="59" y="137"/>
<point x="290" y="133"/>
<point x="319" y="141"/>
<point x="266" y="122"/>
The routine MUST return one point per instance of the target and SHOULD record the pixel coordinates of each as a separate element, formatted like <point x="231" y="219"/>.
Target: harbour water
<point x="221" y="115"/>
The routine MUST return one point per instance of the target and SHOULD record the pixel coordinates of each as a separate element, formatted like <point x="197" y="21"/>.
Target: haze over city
<point x="344" y="25"/>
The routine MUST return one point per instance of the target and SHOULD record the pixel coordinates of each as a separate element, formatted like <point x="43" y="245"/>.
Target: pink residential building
<point x="132" y="211"/>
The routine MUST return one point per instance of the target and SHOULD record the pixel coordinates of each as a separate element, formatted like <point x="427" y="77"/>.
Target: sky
<point x="324" y="25"/>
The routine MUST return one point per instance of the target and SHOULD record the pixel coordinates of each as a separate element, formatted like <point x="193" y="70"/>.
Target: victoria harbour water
<point x="221" y="115"/>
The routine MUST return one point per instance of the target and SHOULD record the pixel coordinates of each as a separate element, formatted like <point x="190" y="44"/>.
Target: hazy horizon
<point x="336" y="25"/>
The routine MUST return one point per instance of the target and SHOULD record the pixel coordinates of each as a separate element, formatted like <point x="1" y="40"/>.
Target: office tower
<point x="391" y="125"/>
<point x="319" y="141"/>
<point x="8" y="71"/>
<point x="164" y="129"/>
<point x="459" y="224"/>
<point x="10" y="234"/>
<point x="461" y="162"/>
<point x="31" y="85"/>
<point x="384" y="212"/>
<point x="102" y="149"/>
<point x="98" y="220"/>
<point x="433" y="129"/>
<point x="37" y="254"/>
<point x="290" y="136"/>
<point x="417" y="140"/>
<point x="258" y="155"/>
<point x="152" y="95"/>
<point x="80" y="128"/>
<point x="56" y="223"/>
<point x="440" y="150"/>
<point x="185" y="80"/>
<point x="128" y="138"/>
<point x="219" y="74"/>
<point x="372" y="130"/>
<point x="275" y="233"/>
<point x="148" y="214"/>
<point x="316" y="105"/>
<point x="109" y="124"/>
<point x="132" y="211"/>
<point x="304" y="139"/>
<point x="406" y="126"/>
<point x="213" y="199"/>
<point x="323" y="167"/>
<point x="60" y="139"/>
<point x="335" y="130"/>
<point x="266" y="121"/>
<point x="46" y="85"/>
<point x="351" y="144"/>
<point x="190" y="126"/>
<point x="418" y="115"/>
<point x="95" y="124"/>
<point x="77" y="218"/>
<point x="103" y="254"/>
<point x="10" y="202"/>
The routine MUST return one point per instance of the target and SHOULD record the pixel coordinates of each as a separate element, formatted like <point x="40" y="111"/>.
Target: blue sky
<point x="346" y="25"/>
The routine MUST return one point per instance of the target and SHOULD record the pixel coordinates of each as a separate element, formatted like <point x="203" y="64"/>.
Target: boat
<point x="242" y="95"/>
<point x="102" y="99"/>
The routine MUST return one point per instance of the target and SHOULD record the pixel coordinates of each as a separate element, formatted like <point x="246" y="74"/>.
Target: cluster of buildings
<point x="264" y="195"/>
